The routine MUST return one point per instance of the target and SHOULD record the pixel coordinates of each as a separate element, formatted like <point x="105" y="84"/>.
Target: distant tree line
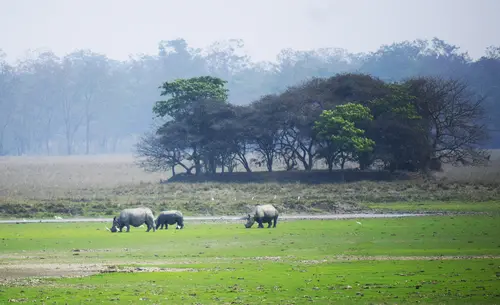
<point x="416" y="124"/>
<point x="86" y="103"/>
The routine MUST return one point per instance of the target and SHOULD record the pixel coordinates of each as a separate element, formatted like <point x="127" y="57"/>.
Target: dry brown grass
<point x="32" y="176"/>
<point x="469" y="174"/>
<point x="102" y="185"/>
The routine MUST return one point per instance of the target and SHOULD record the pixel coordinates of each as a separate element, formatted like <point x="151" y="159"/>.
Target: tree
<point x="183" y="92"/>
<point x="397" y="131"/>
<point x="299" y="140"/>
<point x="338" y="128"/>
<point x="484" y="78"/>
<point x="86" y="103"/>
<point x="196" y="105"/>
<point x="223" y="60"/>
<point x="40" y="83"/>
<point x="72" y="110"/>
<point x="454" y="119"/>
<point x="213" y="122"/>
<point x="7" y="104"/>
<point x="267" y="123"/>
<point x="158" y="153"/>
<point x="91" y="73"/>
<point x="241" y="135"/>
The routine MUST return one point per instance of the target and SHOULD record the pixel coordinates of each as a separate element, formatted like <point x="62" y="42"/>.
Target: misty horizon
<point x="71" y="101"/>
<point x="123" y="29"/>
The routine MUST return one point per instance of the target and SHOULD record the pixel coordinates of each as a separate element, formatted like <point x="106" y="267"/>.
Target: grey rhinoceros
<point x="134" y="217"/>
<point x="262" y="213"/>
<point x="169" y="218"/>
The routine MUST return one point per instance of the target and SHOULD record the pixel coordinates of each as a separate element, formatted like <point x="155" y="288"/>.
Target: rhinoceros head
<point x="115" y="226"/>
<point x="250" y="221"/>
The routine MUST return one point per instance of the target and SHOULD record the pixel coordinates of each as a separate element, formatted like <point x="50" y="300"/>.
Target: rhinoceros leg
<point x="259" y="221"/>
<point x="269" y="223"/>
<point x="151" y="225"/>
<point x="128" y="228"/>
<point x="275" y="221"/>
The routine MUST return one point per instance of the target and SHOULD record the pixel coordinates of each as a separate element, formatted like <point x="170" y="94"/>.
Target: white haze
<point x="120" y="28"/>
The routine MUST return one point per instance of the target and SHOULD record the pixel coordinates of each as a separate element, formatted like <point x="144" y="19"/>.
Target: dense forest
<point x="86" y="103"/>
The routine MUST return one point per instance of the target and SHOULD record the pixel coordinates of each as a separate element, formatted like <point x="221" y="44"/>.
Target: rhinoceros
<point x="134" y="217"/>
<point x="169" y="218"/>
<point x="262" y="213"/>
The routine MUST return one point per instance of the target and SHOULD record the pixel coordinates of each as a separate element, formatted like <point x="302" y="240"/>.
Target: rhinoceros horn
<point x="107" y="229"/>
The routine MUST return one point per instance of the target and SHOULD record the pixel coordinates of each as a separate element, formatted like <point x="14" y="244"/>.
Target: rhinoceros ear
<point x="114" y="218"/>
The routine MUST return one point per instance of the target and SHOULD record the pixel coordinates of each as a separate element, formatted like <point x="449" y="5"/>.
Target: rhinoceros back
<point x="265" y="211"/>
<point x="136" y="217"/>
<point x="170" y="217"/>
<point x="172" y="212"/>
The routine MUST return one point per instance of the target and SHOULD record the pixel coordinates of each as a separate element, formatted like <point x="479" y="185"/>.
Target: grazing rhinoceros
<point x="169" y="218"/>
<point x="134" y="217"/>
<point x="262" y="213"/>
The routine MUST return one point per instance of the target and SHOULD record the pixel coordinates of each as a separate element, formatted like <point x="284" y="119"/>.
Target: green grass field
<point x="431" y="259"/>
<point x="452" y="259"/>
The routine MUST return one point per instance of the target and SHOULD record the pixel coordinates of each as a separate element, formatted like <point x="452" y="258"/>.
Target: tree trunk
<point x="213" y="164"/>
<point x="269" y="164"/>
<point x="307" y="158"/>
<point x="47" y="138"/>
<point x="196" y="159"/>
<point x="87" y="136"/>
<point x="342" y="163"/>
<point x="243" y="160"/>
<point x="68" y="141"/>
<point x="310" y="163"/>
<point x="1" y="142"/>
<point x="114" y="143"/>
<point x="47" y="145"/>
<point x="330" y="165"/>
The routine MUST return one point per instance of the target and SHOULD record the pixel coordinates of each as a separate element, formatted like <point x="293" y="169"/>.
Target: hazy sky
<point x="122" y="27"/>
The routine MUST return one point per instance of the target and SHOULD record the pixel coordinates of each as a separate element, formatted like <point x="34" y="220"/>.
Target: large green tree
<point x="183" y="92"/>
<point x="401" y="141"/>
<point x="343" y="140"/>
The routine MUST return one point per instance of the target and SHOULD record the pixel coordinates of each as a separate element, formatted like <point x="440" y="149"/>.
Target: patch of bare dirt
<point x="15" y="272"/>
<point x="30" y="274"/>
<point x="267" y="258"/>
<point x="111" y="269"/>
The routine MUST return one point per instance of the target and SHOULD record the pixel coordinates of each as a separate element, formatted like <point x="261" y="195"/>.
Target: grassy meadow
<point x="451" y="258"/>
<point x="428" y="259"/>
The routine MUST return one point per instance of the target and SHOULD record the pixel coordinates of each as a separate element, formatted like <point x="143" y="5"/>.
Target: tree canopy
<point x="183" y="92"/>
<point x="87" y="103"/>
<point x="356" y="118"/>
<point x="339" y="129"/>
